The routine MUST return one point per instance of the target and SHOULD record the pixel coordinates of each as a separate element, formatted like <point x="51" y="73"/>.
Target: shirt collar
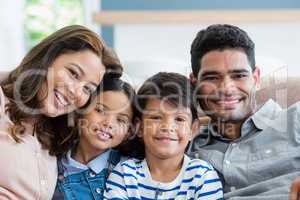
<point x="267" y="113"/>
<point x="96" y="165"/>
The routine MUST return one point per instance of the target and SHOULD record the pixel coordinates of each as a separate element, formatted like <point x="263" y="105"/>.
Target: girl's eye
<point x="74" y="74"/>
<point x="100" y="110"/>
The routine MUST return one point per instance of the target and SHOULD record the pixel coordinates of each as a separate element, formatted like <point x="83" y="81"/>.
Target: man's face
<point x="226" y="85"/>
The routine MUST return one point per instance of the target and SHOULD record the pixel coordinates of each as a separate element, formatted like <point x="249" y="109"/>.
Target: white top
<point x="27" y="171"/>
<point x="132" y="179"/>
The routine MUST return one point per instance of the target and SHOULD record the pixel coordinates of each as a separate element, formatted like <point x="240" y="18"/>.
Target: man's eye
<point x="209" y="78"/>
<point x="239" y="76"/>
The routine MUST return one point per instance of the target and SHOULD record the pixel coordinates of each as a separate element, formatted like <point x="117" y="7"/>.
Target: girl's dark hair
<point x="109" y="83"/>
<point x="33" y="70"/>
<point x="172" y="87"/>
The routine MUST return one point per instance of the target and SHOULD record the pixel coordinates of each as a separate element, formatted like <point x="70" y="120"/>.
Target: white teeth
<point x="61" y="99"/>
<point x="104" y="135"/>
<point x="228" y="102"/>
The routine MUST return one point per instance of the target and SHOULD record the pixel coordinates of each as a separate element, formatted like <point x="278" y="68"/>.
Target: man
<point x="256" y="150"/>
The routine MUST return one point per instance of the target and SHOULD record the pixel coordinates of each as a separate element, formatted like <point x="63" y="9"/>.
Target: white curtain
<point x="11" y="33"/>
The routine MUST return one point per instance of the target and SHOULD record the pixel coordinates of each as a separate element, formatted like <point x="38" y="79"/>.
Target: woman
<point x="57" y="76"/>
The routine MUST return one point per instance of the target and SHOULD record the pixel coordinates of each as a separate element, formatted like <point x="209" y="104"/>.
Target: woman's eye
<point x="123" y="121"/>
<point x="74" y="74"/>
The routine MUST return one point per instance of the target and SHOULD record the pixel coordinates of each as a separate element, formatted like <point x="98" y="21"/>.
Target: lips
<point x="103" y="135"/>
<point x="166" y="139"/>
<point x="60" y="100"/>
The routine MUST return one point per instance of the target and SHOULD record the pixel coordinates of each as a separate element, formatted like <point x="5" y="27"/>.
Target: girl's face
<point x="107" y="125"/>
<point x="70" y="81"/>
<point x="166" y="129"/>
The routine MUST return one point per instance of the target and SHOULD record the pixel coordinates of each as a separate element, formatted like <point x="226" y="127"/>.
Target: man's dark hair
<point x="171" y="87"/>
<point x="220" y="37"/>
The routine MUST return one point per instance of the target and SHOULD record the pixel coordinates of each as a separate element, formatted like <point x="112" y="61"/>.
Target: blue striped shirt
<point x="132" y="180"/>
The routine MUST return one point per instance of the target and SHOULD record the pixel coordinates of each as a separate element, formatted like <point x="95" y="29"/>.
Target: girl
<point x="84" y="169"/>
<point x="57" y="76"/>
<point x="166" y="113"/>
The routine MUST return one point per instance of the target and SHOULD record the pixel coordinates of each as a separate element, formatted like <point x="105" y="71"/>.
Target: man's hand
<point x="295" y="190"/>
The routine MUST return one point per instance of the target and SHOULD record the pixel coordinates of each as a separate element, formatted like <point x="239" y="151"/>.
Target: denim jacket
<point x="85" y="184"/>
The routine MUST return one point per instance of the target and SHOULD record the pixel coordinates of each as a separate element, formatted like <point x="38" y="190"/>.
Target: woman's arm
<point x="295" y="190"/>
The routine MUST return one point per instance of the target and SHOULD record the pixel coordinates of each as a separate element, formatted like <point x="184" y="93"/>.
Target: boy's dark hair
<point x="110" y="82"/>
<point x="171" y="87"/>
<point x="220" y="37"/>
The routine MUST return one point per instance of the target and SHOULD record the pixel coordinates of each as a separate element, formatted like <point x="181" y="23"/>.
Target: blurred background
<point x="155" y="35"/>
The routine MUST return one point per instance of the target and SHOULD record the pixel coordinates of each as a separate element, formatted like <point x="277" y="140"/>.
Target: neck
<point x="164" y="170"/>
<point x="229" y="130"/>
<point x="85" y="153"/>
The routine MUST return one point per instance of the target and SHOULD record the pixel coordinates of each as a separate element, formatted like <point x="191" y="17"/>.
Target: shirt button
<point x="92" y="174"/>
<point x="232" y="188"/>
<point x="43" y="182"/>
<point x="98" y="190"/>
<point x="233" y="144"/>
<point x="268" y="151"/>
<point x="227" y="162"/>
<point x="61" y="177"/>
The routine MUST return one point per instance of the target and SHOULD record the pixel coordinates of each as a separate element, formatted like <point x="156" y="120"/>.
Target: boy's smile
<point x="166" y="129"/>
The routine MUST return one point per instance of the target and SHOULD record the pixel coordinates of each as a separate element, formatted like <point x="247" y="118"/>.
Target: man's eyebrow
<point x="207" y="73"/>
<point x="239" y="71"/>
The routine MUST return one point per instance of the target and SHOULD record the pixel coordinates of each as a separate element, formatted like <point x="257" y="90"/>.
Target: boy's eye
<point x="180" y="119"/>
<point x="155" y="117"/>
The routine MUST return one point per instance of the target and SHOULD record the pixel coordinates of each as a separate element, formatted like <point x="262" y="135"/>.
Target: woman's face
<point x="71" y="79"/>
<point x="107" y="124"/>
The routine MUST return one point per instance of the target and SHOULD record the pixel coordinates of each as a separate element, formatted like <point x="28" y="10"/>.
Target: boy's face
<point x="107" y="125"/>
<point x="227" y="85"/>
<point x="166" y="129"/>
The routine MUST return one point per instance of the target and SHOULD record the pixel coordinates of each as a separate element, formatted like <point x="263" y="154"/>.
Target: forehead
<point x="224" y="60"/>
<point x="165" y="106"/>
<point x="114" y="100"/>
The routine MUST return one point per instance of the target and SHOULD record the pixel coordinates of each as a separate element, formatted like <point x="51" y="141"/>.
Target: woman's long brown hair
<point x="32" y="72"/>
